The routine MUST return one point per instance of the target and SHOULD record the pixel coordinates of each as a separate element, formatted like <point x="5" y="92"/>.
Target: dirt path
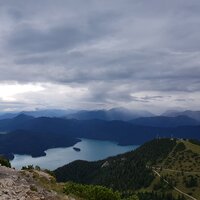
<point x="173" y="170"/>
<point x="175" y="188"/>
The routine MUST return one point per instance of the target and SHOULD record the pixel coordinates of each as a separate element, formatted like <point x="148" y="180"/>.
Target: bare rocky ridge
<point x="22" y="185"/>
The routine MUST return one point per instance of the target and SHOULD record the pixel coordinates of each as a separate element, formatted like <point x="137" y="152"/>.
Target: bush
<point x="179" y="147"/>
<point x="4" y="162"/>
<point x="51" y="173"/>
<point x="91" y="192"/>
<point x="157" y="196"/>
<point x="29" y="167"/>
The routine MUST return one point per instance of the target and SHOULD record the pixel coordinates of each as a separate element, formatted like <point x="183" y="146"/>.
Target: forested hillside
<point x="123" y="172"/>
<point x="159" y="169"/>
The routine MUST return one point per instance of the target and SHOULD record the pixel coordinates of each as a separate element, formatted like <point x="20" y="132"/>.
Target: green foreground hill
<point x="162" y="169"/>
<point x="158" y="170"/>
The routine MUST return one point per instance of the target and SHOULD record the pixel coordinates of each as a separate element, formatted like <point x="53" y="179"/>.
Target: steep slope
<point x="162" y="166"/>
<point x="123" y="172"/>
<point x="28" y="185"/>
<point x="32" y="143"/>
<point x="180" y="171"/>
<point x="14" y="123"/>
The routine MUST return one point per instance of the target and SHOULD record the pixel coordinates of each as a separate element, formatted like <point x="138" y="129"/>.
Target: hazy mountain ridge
<point x="112" y="114"/>
<point x="192" y="114"/>
<point x="38" y="113"/>
<point x="42" y="133"/>
<point x="163" y="121"/>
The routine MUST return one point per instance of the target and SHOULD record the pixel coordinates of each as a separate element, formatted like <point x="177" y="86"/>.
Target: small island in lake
<point x="76" y="149"/>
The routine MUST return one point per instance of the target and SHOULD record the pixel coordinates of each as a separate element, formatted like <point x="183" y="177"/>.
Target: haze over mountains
<point x="73" y="70"/>
<point x="38" y="113"/>
<point x="162" y="121"/>
<point x="117" y="125"/>
<point x="192" y="114"/>
<point x="111" y="114"/>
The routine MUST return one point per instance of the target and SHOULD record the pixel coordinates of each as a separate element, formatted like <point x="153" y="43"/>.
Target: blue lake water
<point x="91" y="150"/>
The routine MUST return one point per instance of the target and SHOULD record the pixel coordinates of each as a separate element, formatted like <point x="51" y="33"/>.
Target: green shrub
<point x="4" y="162"/>
<point x="29" y="167"/>
<point x="91" y="192"/>
<point x="179" y="147"/>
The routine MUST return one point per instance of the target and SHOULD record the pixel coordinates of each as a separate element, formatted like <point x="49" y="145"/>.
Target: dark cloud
<point x="30" y="40"/>
<point x="121" y="52"/>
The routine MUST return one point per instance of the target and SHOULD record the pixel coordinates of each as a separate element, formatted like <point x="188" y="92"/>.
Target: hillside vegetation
<point x="162" y="169"/>
<point x="157" y="170"/>
<point x="181" y="168"/>
<point x="123" y="172"/>
<point x="4" y="162"/>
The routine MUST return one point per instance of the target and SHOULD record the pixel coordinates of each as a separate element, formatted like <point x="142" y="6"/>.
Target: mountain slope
<point x="38" y="113"/>
<point x="162" y="166"/>
<point x="119" y="131"/>
<point x="27" y="135"/>
<point x="32" y="143"/>
<point x="192" y="114"/>
<point x="123" y="172"/>
<point x="29" y="185"/>
<point x="14" y="123"/>
<point x="162" y="121"/>
<point x="112" y="114"/>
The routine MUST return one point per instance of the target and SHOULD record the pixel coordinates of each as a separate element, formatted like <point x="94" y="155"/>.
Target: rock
<point x="20" y="185"/>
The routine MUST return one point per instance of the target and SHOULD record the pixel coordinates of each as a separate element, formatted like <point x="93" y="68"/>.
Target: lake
<point x="91" y="150"/>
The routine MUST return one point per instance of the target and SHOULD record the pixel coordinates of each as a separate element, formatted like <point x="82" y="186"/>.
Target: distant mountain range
<point x="112" y="114"/>
<point x="39" y="113"/>
<point x="30" y="134"/>
<point x="192" y="114"/>
<point x="59" y="132"/>
<point x="120" y="113"/>
<point x="162" y="121"/>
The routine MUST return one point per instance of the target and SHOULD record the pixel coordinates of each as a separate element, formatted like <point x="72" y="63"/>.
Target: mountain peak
<point x="23" y="116"/>
<point x="189" y="113"/>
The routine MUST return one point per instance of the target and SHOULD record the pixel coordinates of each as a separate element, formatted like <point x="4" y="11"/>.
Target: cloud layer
<point x="94" y="54"/>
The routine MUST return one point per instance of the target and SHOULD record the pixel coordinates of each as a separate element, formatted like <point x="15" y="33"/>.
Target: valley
<point x="153" y="157"/>
<point x="27" y="135"/>
<point x="91" y="150"/>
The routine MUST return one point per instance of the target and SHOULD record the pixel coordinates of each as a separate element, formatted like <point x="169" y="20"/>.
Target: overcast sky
<point x="93" y="54"/>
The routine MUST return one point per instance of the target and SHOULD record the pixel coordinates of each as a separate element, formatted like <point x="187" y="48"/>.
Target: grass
<point x="180" y="166"/>
<point x="49" y="183"/>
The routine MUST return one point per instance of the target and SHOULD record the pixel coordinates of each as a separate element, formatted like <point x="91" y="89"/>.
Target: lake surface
<point x="91" y="150"/>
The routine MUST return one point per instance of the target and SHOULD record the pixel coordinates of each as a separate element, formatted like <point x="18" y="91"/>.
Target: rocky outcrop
<point x="22" y="185"/>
